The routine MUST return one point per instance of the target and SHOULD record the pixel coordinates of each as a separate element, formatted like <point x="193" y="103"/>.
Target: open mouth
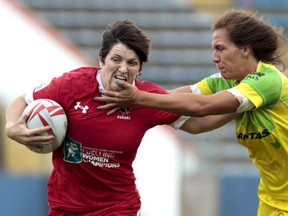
<point x="120" y="78"/>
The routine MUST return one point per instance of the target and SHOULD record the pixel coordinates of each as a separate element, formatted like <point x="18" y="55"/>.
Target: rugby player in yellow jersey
<point x="249" y="84"/>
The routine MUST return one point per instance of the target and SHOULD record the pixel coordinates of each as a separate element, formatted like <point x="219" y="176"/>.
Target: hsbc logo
<point x="79" y="106"/>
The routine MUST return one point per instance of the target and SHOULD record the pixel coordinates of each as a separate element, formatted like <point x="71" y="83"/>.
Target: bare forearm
<point x="196" y="125"/>
<point x="15" y="109"/>
<point x="172" y="103"/>
<point x="189" y="104"/>
<point x="180" y="103"/>
<point x="182" y="89"/>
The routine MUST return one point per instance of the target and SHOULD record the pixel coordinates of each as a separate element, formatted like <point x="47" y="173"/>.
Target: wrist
<point x="137" y="97"/>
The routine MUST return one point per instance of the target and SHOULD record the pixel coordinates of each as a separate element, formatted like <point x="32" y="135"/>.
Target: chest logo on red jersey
<point x="79" y="106"/>
<point x="125" y="113"/>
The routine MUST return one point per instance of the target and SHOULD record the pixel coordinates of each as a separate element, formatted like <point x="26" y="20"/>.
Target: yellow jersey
<point x="263" y="130"/>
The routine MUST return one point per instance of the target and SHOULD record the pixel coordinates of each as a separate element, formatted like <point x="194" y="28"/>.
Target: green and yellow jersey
<point x="264" y="129"/>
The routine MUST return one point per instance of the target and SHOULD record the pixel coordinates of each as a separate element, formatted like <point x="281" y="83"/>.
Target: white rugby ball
<point x="46" y="112"/>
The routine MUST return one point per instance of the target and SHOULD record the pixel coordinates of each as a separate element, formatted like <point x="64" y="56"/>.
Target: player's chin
<point x="225" y="75"/>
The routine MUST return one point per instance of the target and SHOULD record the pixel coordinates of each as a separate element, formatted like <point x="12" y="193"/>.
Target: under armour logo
<point x="83" y="108"/>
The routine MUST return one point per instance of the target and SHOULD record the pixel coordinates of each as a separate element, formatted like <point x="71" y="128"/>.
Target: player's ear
<point x="246" y="50"/>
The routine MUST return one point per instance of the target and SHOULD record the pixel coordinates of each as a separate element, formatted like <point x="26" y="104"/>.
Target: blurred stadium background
<point x="199" y="175"/>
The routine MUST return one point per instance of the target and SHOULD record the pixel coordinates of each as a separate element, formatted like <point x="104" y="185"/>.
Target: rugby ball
<point x="46" y="112"/>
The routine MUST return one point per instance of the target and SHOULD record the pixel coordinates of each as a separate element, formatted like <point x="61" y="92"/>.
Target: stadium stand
<point x="177" y="32"/>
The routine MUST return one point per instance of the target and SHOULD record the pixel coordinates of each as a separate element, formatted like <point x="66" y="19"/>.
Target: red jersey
<point x="92" y="169"/>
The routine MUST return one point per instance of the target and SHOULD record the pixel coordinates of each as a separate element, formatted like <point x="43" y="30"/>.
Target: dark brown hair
<point x="127" y="33"/>
<point x="247" y="28"/>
